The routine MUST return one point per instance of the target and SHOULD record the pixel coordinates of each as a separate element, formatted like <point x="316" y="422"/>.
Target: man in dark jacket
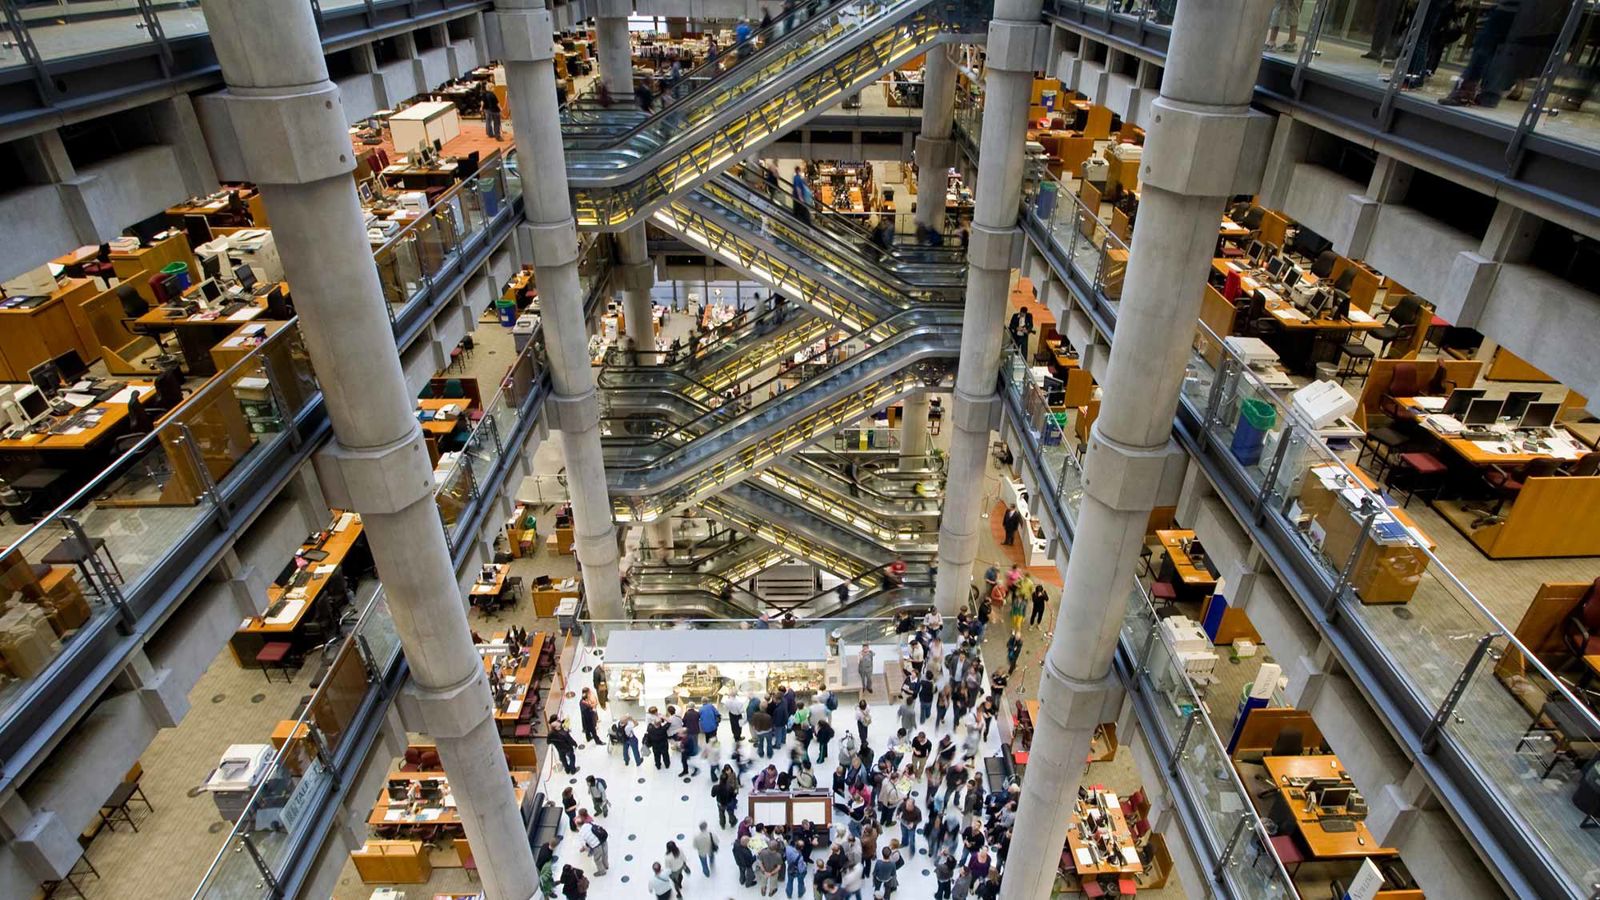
<point x="746" y="861"/>
<point x="1012" y="521"/>
<point x="561" y="739"/>
<point x="761" y="726"/>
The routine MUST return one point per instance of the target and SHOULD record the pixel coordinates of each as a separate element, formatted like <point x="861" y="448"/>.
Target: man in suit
<point x="1011" y="521"/>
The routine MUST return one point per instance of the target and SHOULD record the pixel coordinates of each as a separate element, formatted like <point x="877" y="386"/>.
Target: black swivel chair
<point x="1289" y="742"/>
<point x="1345" y="280"/>
<point x="1323" y="267"/>
<point x="1402" y="323"/>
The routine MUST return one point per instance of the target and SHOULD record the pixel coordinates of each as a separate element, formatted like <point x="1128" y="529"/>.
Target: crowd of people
<point x="920" y="792"/>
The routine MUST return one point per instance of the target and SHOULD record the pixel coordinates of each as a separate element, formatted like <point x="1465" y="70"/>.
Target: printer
<point x="255" y="248"/>
<point x="1327" y="406"/>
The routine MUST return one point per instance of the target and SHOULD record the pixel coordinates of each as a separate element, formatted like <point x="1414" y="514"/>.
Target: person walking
<point x="1019" y="609"/>
<point x="597" y="795"/>
<point x="761" y="729"/>
<point x="547" y="878"/>
<point x="733" y="708"/>
<point x="885" y="872"/>
<point x="491" y="114"/>
<point x="677" y="866"/>
<point x="655" y="737"/>
<point x="824" y="735"/>
<point x="1011" y="521"/>
<point x="589" y="715"/>
<point x="705" y="846"/>
<point x="908" y="716"/>
<point x="1013" y="650"/>
<point x="630" y="742"/>
<point x="910" y="818"/>
<point x="941" y="706"/>
<point x="726" y="793"/>
<point x="660" y="885"/>
<point x="863" y="720"/>
<point x="594" y="840"/>
<point x="802" y="197"/>
<point x="1039" y="598"/>
<point x="944" y="872"/>
<point x="561" y="739"/>
<point x="710" y="719"/>
<point x="925" y="695"/>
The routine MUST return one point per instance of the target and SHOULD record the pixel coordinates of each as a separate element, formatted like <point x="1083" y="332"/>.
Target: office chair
<point x="453" y="389"/>
<point x="1506" y="485"/>
<point x="1587" y="465"/>
<point x="1324" y="264"/>
<point x="1252" y="218"/>
<point x="1402" y="322"/>
<point x="169" y="389"/>
<point x="1403" y="384"/>
<point x="100" y="267"/>
<point x="1352" y="352"/>
<point x="1580" y="630"/>
<point x="1345" y="280"/>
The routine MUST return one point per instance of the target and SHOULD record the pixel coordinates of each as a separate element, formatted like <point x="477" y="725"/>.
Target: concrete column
<point x="1204" y="145"/>
<point x="635" y="276"/>
<point x="294" y="145"/>
<point x="1014" y="33"/>
<point x="913" y="429"/>
<point x="526" y="42"/>
<point x="935" y="149"/>
<point x="615" y="51"/>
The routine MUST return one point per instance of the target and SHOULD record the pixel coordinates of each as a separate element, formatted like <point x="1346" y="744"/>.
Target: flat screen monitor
<point x="1517" y="403"/>
<point x="198" y="230"/>
<point x="211" y="290"/>
<point x="1540" y="415"/>
<point x="1317" y="303"/>
<point x="1483" y="412"/>
<point x="46" y="377"/>
<point x="1335" y="798"/>
<point x="245" y="275"/>
<point x="1460" y="399"/>
<point x="33" y="402"/>
<point x="1291" y="276"/>
<point x="1275" y="266"/>
<point x="71" y="366"/>
<point x="211" y="265"/>
<point x="1341" y="305"/>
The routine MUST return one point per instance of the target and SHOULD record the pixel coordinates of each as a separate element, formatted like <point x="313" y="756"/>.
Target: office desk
<point x="1119" y="829"/>
<point x="236" y="346"/>
<point x="1500" y="453"/>
<point x="1193" y="582"/>
<point x="1322" y="843"/>
<point x="1232" y="229"/>
<point x="199" y="333"/>
<point x="521" y="687"/>
<point x="435" y="430"/>
<point x="39" y="332"/>
<point x="418" y="178"/>
<point x="256" y="631"/>
<point x="493" y="587"/>
<point x="113" y="415"/>
<point x="401" y="815"/>
<point x="137" y="266"/>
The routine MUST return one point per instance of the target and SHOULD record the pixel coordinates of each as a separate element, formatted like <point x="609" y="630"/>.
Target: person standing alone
<point x="1011" y="521"/>
<point x="491" y="114"/>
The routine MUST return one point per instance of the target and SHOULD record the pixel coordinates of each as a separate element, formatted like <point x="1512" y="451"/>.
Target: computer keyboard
<point x="1337" y="826"/>
<point x="274" y="609"/>
<point x="1479" y="434"/>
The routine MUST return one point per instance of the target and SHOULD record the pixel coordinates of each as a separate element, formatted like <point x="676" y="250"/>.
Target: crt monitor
<point x="71" y="366"/>
<point x="1275" y="266"/>
<point x="1318" y="303"/>
<point x="1483" y="412"/>
<point x="1291" y="276"/>
<point x="1540" y="415"/>
<point x="1517" y="403"/>
<point x="211" y="290"/>
<point x="46" y="377"/>
<point x="33" y="402"/>
<point x="245" y="275"/>
<point x="1334" y="798"/>
<point x="1460" y="399"/>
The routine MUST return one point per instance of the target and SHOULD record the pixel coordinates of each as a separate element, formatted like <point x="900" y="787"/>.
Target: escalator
<point x="617" y="178"/>
<point x="734" y="354"/>
<point x="654" y="469"/>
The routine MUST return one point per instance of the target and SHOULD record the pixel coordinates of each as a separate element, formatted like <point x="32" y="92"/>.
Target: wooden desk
<point x="1191" y="574"/>
<point x="1119" y="829"/>
<point x="447" y="816"/>
<point x="138" y="266"/>
<point x="1385" y="572"/>
<point x="110" y="421"/>
<point x="40" y="332"/>
<point x="1232" y="229"/>
<point x="441" y="427"/>
<point x="392" y="862"/>
<point x="1473" y="454"/>
<point x="257" y="631"/>
<point x="199" y="333"/>
<point x="1322" y="843"/>
<point x="481" y="588"/>
<point x="522" y="680"/>
<point x="227" y="352"/>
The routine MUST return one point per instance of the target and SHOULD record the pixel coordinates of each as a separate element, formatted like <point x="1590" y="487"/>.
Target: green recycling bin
<point x="181" y="271"/>
<point x="507" y="311"/>
<point x="1256" y="418"/>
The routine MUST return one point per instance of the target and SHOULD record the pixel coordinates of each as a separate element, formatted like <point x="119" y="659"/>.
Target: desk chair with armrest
<point x="1401" y="323"/>
<point x="1323" y="266"/>
<point x="1290" y="741"/>
<point x="1505" y="485"/>
<point x="1586" y="465"/>
<point x="1346" y="279"/>
<point x="1403" y="385"/>
<point x="1580" y="632"/>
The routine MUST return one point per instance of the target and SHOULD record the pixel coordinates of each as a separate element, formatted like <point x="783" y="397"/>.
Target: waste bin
<point x="1327" y="371"/>
<point x="1045" y="206"/>
<point x="1256" y="418"/>
<point x="507" y="311"/>
<point x="181" y="270"/>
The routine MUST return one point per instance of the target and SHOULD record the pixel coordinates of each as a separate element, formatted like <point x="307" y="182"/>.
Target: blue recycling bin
<point x="1044" y="206"/>
<point x="507" y="311"/>
<point x="1256" y="418"/>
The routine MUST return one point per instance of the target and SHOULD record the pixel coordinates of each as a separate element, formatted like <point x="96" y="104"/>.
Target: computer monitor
<point x="33" y="403"/>
<point x="1483" y="412"/>
<point x="1291" y="276"/>
<point x="71" y="366"/>
<point x="1517" y="403"/>
<point x="1341" y="305"/>
<point x="1335" y="798"/>
<point x="1255" y="249"/>
<point x="245" y="275"/>
<point x="211" y="265"/>
<point x="1275" y="266"/>
<point x="1316" y="304"/>
<point x="46" y="377"/>
<point x="198" y="230"/>
<point x="211" y="290"/>
<point x="1460" y="399"/>
<point x="1540" y="415"/>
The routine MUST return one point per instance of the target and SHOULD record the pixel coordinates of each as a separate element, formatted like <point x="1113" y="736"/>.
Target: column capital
<point x="1125" y="477"/>
<point x="290" y="135"/>
<point x="1014" y="46"/>
<point x="526" y="33"/>
<point x="993" y="248"/>
<point x="974" y="412"/>
<point x="552" y="244"/>
<point x="934" y="152"/>
<point x="453" y="711"/>
<point x="377" y="480"/>
<point x="575" y="412"/>
<point x="1203" y="150"/>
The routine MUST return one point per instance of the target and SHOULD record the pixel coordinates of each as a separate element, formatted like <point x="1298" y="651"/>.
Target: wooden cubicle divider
<point x="1540" y="628"/>
<point x="1098" y="126"/>
<point x="1550" y="517"/>
<point x="1218" y="315"/>
<point x="139" y="265"/>
<point x="1459" y="373"/>
<point x="35" y="335"/>
<point x="469" y="386"/>
<point x="1274" y="227"/>
<point x="1262" y="726"/>
<point x="1507" y="366"/>
<point x="518" y="756"/>
<point x="1364" y="287"/>
<point x="1089" y="219"/>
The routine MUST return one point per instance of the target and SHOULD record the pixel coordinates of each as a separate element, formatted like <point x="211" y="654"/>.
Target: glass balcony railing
<point x="1526" y="65"/>
<point x="1049" y="428"/>
<point x="1237" y="840"/>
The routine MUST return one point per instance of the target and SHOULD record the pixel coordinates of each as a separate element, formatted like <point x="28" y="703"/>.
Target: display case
<point x="647" y="668"/>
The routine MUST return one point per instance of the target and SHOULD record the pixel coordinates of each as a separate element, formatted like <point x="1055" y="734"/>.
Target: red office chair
<point x="1506" y="485"/>
<point x="1289" y="852"/>
<point x="1586" y="465"/>
<point x="413" y="760"/>
<point x="1580" y="630"/>
<point x="1404" y="384"/>
<point x="1127" y="887"/>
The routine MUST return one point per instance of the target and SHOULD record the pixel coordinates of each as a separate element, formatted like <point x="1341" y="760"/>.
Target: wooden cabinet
<point x="392" y="862"/>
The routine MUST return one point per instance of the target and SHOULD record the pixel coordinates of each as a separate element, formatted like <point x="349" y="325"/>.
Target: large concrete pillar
<point x="525" y="35"/>
<point x="291" y="130"/>
<point x="914" y="430"/>
<point x="635" y="277"/>
<point x="1204" y="144"/>
<point x="935" y="149"/>
<point x="1014" y="33"/>
<point x="615" y="51"/>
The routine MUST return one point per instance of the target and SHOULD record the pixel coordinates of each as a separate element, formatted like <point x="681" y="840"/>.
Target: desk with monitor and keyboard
<point x="1318" y="798"/>
<point x="1310" y="316"/>
<point x="206" y="313"/>
<point x="298" y="595"/>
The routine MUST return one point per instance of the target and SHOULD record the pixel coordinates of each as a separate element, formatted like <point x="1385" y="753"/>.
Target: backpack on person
<point x="599" y="831"/>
